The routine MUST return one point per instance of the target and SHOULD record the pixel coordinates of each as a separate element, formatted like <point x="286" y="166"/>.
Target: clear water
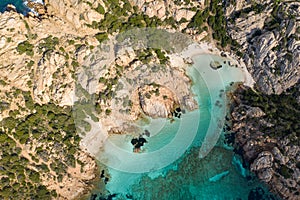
<point x="19" y="4"/>
<point x="184" y="159"/>
<point x="181" y="160"/>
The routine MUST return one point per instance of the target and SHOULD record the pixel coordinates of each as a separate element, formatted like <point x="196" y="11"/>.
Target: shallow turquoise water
<point x="185" y="159"/>
<point x="21" y="8"/>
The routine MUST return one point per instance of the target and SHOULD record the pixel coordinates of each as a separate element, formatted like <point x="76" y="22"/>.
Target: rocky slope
<point x="265" y="125"/>
<point x="157" y="101"/>
<point x="40" y="55"/>
<point x="266" y="132"/>
<point x="268" y="36"/>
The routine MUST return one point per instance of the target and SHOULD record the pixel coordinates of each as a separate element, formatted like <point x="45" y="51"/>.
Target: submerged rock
<point x="147" y="133"/>
<point x="218" y="176"/>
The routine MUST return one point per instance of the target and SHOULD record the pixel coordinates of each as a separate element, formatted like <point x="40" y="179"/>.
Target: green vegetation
<point x="2" y="82"/>
<point x="256" y="7"/>
<point x="101" y="36"/>
<point x="285" y="171"/>
<point x="148" y="95"/>
<point x="282" y="110"/>
<point x="107" y="111"/>
<point x="161" y="56"/>
<point x="214" y="16"/>
<point x="100" y="9"/>
<point x="30" y="63"/>
<point x="75" y="63"/>
<point x="145" y="55"/>
<point x="49" y="43"/>
<point x="25" y="47"/>
<point x="85" y="106"/>
<point x="276" y="17"/>
<point x="122" y="17"/>
<point x="199" y="19"/>
<point x="110" y="84"/>
<point x="71" y="42"/>
<point x="51" y="127"/>
<point x="218" y="22"/>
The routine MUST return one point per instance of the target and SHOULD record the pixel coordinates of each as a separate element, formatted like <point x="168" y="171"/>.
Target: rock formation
<point x="269" y="38"/>
<point x="272" y="155"/>
<point x="157" y="101"/>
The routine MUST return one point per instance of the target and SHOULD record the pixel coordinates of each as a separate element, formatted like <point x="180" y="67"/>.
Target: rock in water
<point x="218" y="176"/>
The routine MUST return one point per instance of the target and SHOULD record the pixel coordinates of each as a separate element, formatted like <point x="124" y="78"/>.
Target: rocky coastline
<point x="270" y="150"/>
<point x="44" y="58"/>
<point x="267" y="36"/>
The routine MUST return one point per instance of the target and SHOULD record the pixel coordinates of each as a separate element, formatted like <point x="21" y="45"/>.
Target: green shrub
<point x="100" y="9"/>
<point x="30" y="64"/>
<point x="25" y="47"/>
<point x="285" y="172"/>
<point x="107" y="111"/>
<point x="49" y="43"/>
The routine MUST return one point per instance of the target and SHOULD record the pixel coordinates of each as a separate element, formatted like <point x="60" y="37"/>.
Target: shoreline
<point x="99" y="132"/>
<point x="203" y="52"/>
<point x="203" y="48"/>
<point x="25" y="7"/>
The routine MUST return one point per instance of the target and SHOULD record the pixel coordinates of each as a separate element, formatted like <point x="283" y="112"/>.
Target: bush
<point x="101" y="37"/>
<point x="286" y="172"/>
<point x="30" y="64"/>
<point x="25" y="47"/>
<point x="100" y="9"/>
<point x="48" y="43"/>
<point x="107" y="111"/>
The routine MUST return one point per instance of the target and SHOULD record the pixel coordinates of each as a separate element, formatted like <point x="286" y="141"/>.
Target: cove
<point x="185" y="159"/>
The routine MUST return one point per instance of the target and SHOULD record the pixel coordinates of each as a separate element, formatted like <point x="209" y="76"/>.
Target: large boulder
<point x="262" y="165"/>
<point x="157" y="101"/>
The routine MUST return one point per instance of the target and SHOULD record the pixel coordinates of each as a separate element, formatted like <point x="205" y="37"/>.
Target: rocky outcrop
<point x="77" y="182"/>
<point x="38" y="57"/>
<point x="272" y="155"/>
<point x="75" y="13"/>
<point x="165" y="9"/>
<point x="263" y="166"/>
<point x="157" y="101"/>
<point x="37" y="7"/>
<point x="243" y="111"/>
<point x="47" y="85"/>
<point x="270" y="41"/>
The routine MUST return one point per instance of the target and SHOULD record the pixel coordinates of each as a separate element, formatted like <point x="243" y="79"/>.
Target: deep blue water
<point x="21" y="8"/>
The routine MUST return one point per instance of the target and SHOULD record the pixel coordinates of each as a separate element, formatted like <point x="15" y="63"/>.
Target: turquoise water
<point x="184" y="159"/>
<point x="21" y="8"/>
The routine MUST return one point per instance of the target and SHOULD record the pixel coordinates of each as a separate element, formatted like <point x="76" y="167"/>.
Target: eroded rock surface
<point x="157" y="101"/>
<point x="270" y="148"/>
<point x="268" y="35"/>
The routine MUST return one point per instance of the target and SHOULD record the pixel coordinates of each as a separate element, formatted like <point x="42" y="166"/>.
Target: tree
<point x="100" y="9"/>
<point x="101" y="37"/>
<point x="25" y="47"/>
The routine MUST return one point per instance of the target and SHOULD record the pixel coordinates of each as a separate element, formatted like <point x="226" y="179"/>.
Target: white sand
<point x="207" y="48"/>
<point x="95" y="139"/>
